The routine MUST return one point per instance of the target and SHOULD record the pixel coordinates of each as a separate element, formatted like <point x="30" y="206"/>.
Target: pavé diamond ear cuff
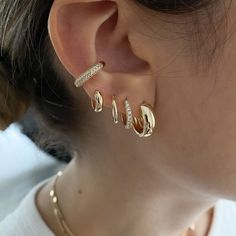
<point x="88" y="74"/>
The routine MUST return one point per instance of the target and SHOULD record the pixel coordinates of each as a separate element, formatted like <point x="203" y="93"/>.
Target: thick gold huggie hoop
<point x="127" y="118"/>
<point x="88" y="74"/>
<point x="145" y="126"/>
<point x="97" y="103"/>
<point x="114" y="110"/>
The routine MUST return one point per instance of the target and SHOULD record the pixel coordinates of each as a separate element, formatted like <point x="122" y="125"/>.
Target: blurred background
<point x="27" y="156"/>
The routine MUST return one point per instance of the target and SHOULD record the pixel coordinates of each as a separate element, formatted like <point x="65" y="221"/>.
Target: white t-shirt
<point x="26" y="220"/>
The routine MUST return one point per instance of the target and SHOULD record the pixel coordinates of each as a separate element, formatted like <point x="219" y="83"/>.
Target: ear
<point x="84" y="32"/>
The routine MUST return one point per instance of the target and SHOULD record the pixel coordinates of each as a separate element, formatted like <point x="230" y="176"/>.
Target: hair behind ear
<point x="13" y="103"/>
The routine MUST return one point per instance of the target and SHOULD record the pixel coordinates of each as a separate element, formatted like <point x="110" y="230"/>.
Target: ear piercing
<point x="143" y="126"/>
<point x="97" y="103"/>
<point x="114" y="110"/>
<point x="88" y="74"/>
<point x="127" y="119"/>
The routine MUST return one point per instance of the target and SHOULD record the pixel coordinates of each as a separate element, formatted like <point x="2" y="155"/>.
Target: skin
<point x="117" y="183"/>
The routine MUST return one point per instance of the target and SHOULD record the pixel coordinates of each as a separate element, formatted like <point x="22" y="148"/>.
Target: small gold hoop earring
<point x="89" y="73"/>
<point x="127" y="118"/>
<point x="97" y="103"/>
<point x="114" y="110"/>
<point x="144" y="126"/>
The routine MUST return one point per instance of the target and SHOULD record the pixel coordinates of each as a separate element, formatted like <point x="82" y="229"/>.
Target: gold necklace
<point x="56" y="209"/>
<point x="61" y="219"/>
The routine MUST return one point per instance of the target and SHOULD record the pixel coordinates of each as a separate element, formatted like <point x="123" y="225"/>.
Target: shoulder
<point x="224" y="219"/>
<point x="25" y="220"/>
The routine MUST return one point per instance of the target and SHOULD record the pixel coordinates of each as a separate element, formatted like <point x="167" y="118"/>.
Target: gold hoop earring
<point x="127" y="118"/>
<point x="97" y="103"/>
<point x="145" y="126"/>
<point x="114" y="110"/>
<point x="88" y="74"/>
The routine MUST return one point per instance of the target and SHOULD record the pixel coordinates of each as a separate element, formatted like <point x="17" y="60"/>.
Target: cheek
<point x="196" y="113"/>
<point x="197" y="127"/>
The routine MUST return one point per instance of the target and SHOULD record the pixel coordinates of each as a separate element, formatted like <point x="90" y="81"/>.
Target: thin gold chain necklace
<point x="61" y="219"/>
<point x="57" y="211"/>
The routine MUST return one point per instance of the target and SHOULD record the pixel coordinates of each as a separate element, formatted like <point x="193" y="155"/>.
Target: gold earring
<point x="97" y="103"/>
<point x="88" y="74"/>
<point x="144" y="127"/>
<point x="114" y="110"/>
<point x="127" y="118"/>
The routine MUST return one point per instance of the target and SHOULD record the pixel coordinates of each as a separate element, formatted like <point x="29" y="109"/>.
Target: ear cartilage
<point x="88" y="74"/>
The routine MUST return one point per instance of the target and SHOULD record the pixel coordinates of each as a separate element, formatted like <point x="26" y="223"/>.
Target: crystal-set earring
<point x="127" y="118"/>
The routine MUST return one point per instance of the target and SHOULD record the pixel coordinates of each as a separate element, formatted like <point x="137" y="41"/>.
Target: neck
<point x="117" y="196"/>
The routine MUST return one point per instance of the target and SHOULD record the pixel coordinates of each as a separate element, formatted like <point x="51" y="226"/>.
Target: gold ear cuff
<point x="145" y="125"/>
<point x="127" y="118"/>
<point x="88" y="74"/>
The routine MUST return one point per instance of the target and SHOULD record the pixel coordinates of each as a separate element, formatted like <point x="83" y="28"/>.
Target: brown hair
<point x="26" y="72"/>
<point x="11" y="107"/>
